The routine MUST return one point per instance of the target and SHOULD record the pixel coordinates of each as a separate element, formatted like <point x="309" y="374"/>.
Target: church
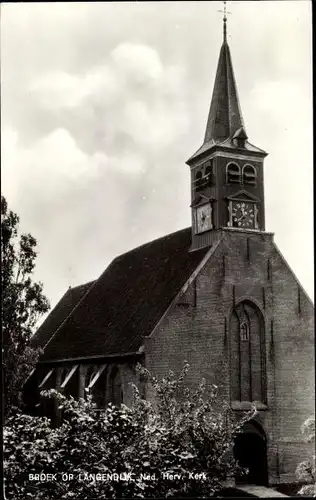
<point x="218" y="294"/>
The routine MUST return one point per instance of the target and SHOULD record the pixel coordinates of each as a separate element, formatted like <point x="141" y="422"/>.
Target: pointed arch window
<point x="233" y="173"/>
<point x="249" y="175"/>
<point x="247" y="354"/>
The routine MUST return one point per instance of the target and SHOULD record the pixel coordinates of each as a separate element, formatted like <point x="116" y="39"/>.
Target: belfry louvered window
<point x="198" y="180"/>
<point x="204" y="176"/>
<point x="249" y="175"/>
<point x="208" y="173"/>
<point x="233" y="174"/>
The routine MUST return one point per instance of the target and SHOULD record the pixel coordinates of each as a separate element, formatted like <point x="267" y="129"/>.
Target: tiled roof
<point x="127" y="301"/>
<point x="60" y="312"/>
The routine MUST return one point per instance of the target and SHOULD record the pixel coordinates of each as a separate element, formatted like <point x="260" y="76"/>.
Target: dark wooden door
<point x="250" y="451"/>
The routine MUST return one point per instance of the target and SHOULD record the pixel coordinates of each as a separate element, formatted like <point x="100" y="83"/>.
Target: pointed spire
<point x="225" y="116"/>
<point x="225" y="125"/>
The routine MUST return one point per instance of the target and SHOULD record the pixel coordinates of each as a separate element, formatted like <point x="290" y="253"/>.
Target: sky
<point x="103" y="103"/>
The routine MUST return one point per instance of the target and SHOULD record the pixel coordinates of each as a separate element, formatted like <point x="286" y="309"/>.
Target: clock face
<point x="243" y="214"/>
<point x="204" y="218"/>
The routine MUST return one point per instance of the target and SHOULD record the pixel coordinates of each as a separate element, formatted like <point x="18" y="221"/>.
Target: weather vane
<point x="225" y="12"/>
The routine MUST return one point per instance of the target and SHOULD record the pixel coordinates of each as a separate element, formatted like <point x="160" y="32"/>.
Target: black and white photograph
<point x="157" y="260"/>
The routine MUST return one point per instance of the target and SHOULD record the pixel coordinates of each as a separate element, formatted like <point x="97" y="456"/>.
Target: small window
<point x="233" y="173"/>
<point x="239" y="142"/>
<point x="249" y="175"/>
<point x="244" y="331"/>
<point x="240" y="137"/>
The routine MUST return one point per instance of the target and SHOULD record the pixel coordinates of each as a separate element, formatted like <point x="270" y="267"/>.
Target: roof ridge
<point x="62" y="298"/>
<point x="149" y="243"/>
<point x="82" y="285"/>
<point x="68" y="292"/>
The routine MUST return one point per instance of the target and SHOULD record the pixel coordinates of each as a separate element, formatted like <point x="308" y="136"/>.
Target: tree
<point x="178" y="445"/>
<point x="23" y="303"/>
<point x="305" y="471"/>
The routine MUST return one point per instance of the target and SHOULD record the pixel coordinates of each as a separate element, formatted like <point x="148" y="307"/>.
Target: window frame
<point x="203" y="177"/>
<point x="238" y="174"/>
<point x="244" y="336"/>
<point x="252" y="175"/>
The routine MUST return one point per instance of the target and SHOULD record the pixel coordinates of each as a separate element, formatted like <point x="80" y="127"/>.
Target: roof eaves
<point x="206" y="146"/>
<point x="256" y="149"/>
<point x="92" y="357"/>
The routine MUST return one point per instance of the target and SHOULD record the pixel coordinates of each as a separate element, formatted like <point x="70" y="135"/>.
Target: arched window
<point x="247" y="353"/>
<point x="115" y="386"/>
<point x="233" y="173"/>
<point x="249" y="175"/>
<point x="204" y="176"/>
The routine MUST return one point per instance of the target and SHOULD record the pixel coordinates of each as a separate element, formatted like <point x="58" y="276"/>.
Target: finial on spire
<point x="225" y="24"/>
<point x="225" y="12"/>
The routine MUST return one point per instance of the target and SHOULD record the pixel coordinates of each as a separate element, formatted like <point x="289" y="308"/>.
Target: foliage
<point x="305" y="471"/>
<point x="22" y="304"/>
<point x="181" y="432"/>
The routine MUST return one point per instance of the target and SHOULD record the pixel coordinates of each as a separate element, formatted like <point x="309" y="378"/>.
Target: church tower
<point x="227" y="187"/>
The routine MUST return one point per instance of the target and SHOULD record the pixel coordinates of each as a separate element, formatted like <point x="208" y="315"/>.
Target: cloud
<point x="102" y="103"/>
<point x="59" y="90"/>
<point x="137" y="62"/>
<point x="51" y="161"/>
<point x="132" y="94"/>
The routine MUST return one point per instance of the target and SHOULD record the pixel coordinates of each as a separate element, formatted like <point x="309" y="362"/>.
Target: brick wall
<point x="196" y="329"/>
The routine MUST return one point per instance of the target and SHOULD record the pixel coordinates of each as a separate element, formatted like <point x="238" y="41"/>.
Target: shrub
<point x="177" y="445"/>
<point x="305" y="471"/>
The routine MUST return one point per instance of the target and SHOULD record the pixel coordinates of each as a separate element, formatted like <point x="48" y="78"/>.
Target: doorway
<point x="250" y="450"/>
